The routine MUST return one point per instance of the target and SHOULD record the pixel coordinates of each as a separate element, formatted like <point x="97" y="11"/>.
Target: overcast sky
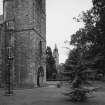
<point x="1" y="7"/>
<point x="60" y="23"/>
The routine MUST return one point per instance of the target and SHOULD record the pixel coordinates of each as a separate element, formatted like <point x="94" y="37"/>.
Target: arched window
<point x="40" y="71"/>
<point x="40" y="47"/>
<point x="39" y="3"/>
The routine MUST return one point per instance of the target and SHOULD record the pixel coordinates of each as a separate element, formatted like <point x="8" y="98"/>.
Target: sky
<point x="1" y="7"/>
<point x="60" y="24"/>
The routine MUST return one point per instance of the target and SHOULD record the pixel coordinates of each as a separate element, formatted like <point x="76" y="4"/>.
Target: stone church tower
<point x="25" y="40"/>
<point x="56" y="56"/>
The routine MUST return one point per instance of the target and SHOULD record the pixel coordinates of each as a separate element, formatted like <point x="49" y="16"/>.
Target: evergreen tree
<point x="50" y="64"/>
<point x="89" y="52"/>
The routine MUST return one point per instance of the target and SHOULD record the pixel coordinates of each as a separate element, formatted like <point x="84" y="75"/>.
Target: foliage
<point x="78" y="95"/>
<point x="99" y="10"/>
<point x="78" y="69"/>
<point x="50" y="64"/>
<point x="91" y="38"/>
<point x="89" y="48"/>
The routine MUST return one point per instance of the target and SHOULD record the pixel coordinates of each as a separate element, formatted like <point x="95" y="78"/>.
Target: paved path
<point x="46" y="96"/>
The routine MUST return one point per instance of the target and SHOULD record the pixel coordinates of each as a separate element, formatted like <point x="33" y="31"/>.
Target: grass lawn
<point x="48" y="96"/>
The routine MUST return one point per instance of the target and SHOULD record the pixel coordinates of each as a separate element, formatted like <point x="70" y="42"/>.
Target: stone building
<point x="24" y="23"/>
<point x="1" y="42"/>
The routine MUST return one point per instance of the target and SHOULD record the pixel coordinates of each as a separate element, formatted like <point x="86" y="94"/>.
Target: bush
<point x="77" y="95"/>
<point x="77" y="91"/>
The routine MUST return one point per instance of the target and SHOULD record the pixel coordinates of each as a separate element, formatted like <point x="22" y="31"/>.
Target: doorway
<point x="40" y="76"/>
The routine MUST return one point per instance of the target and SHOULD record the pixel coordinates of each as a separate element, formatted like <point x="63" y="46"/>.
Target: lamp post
<point x="9" y="81"/>
<point x="9" y="58"/>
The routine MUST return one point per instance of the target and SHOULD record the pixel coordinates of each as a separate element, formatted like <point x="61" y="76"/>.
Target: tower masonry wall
<point x="28" y="21"/>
